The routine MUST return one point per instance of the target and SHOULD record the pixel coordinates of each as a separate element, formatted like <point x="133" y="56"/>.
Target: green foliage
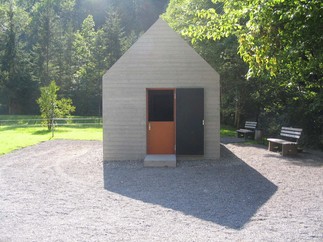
<point x="280" y="43"/>
<point x="73" y="42"/>
<point x="95" y="51"/>
<point x="51" y="107"/>
<point x="222" y="55"/>
<point x="280" y="40"/>
<point x="83" y="54"/>
<point x="15" y="76"/>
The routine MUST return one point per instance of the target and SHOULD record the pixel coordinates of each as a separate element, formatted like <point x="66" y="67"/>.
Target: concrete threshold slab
<point x="160" y="161"/>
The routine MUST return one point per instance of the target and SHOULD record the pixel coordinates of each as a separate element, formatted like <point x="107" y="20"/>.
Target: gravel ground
<point x="62" y="191"/>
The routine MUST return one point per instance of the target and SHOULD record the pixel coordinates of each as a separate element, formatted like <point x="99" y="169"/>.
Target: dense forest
<point x="269" y="53"/>
<point x="70" y="41"/>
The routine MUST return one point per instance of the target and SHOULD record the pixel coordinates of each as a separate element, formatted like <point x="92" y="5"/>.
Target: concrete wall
<point x="159" y="59"/>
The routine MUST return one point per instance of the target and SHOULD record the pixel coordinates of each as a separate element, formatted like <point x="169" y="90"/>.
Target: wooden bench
<point x="287" y="146"/>
<point x="249" y="129"/>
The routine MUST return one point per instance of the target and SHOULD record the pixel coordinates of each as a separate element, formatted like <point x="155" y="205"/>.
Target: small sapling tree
<point x="51" y="107"/>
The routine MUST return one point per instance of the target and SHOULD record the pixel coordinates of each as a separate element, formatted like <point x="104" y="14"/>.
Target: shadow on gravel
<point x="230" y="140"/>
<point x="300" y="159"/>
<point x="227" y="192"/>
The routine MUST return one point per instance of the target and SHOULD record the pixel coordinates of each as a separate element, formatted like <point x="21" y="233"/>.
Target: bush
<point x="51" y="107"/>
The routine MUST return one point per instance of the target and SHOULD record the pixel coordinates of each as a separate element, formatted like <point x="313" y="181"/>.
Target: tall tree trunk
<point x="237" y="115"/>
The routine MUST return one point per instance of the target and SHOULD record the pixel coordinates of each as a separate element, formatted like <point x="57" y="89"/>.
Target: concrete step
<point x="160" y="161"/>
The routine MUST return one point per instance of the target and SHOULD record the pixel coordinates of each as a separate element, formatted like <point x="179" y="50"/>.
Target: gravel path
<point x="61" y="191"/>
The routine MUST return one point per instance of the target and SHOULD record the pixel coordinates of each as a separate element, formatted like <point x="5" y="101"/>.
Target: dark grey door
<point x="189" y="121"/>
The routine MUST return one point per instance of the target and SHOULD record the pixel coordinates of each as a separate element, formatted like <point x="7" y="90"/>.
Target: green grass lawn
<point x="18" y="131"/>
<point x="228" y="131"/>
<point x="15" y="134"/>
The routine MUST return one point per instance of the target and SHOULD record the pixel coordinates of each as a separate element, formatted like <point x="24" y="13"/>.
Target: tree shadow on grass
<point x="59" y="130"/>
<point x="41" y="132"/>
<point x="6" y="128"/>
<point x="45" y="131"/>
<point x="227" y="192"/>
<point x="24" y="127"/>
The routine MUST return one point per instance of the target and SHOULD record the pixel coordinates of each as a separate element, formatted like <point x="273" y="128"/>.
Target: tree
<point x="51" y="107"/>
<point x="50" y="40"/>
<point x="95" y="51"/>
<point x="86" y="76"/>
<point x="280" y="40"/>
<point x="44" y="40"/>
<point x="222" y="55"/>
<point x="111" y="39"/>
<point x="138" y="15"/>
<point x="282" y="43"/>
<point x="15" y="76"/>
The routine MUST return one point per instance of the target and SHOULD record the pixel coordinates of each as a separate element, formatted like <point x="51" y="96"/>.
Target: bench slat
<point x="292" y="129"/>
<point x="290" y="135"/>
<point x="250" y="125"/>
<point x="281" y="141"/>
<point x="291" y="132"/>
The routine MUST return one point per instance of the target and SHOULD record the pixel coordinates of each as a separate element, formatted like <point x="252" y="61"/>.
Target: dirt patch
<point x="62" y="190"/>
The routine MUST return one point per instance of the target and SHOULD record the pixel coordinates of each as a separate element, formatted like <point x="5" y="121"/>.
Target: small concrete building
<point x="161" y="98"/>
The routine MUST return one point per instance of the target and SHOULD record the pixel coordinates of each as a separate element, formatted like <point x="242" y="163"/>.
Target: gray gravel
<point x="62" y="191"/>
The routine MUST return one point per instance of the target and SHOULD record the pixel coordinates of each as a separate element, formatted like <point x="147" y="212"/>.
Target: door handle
<point x="149" y="127"/>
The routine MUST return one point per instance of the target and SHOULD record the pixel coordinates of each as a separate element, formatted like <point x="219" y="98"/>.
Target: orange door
<point x="161" y="138"/>
<point x="160" y="122"/>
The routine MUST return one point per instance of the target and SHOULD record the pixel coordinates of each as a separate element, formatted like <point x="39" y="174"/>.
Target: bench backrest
<point x="294" y="133"/>
<point x="250" y="125"/>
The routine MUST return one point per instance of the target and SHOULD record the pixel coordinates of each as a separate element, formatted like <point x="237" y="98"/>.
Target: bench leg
<point x="271" y="146"/>
<point x="289" y="149"/>
<point x="240" y="135"/>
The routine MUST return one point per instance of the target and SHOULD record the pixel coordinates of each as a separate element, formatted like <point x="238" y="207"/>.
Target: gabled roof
<point x="160" y="49"/>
